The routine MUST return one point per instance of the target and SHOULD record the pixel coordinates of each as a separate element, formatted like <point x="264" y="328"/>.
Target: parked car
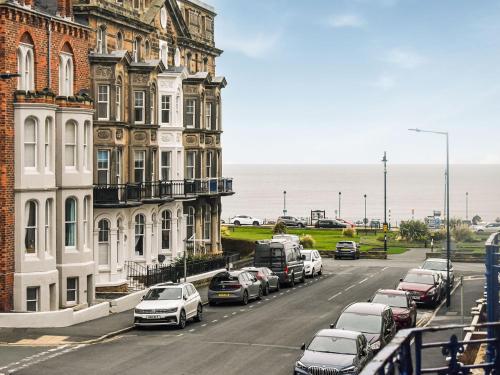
<point x="234" y="286"/>
<point x="404" y="309"/>
<point x="283" y="258"/>
<point x="374" y="320"/>
<point x="375" y="223"/>
<point x="334" y="351"/>
<point x="313" y="263"/>
<point x="423" y="285"/>
<point x="347" y="223"/>
<point x="349" y="249"/>
<point x="439" y="265"/>
<point x="245" y="220"/>
<point x="169" y="304"/>
<point x="291" y="221"/>
<point x="329" y="223"/>
<point x="488" y="228"/>
<point x="270" y="281"/>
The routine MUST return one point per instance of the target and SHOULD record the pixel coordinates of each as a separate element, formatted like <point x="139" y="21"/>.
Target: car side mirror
<point x="142" y="298"/>
<point x="401" y="279"/>
<point x="436" y="283"/>
<point x="332" y="326"/>
<point x="185" y="297"/>
<point x="303" y="346"/>
<point x="369" y="300"/>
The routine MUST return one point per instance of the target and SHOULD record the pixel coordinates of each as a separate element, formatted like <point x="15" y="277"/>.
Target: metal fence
<point x="403" y="355"/>
<point x="140" y="276"/>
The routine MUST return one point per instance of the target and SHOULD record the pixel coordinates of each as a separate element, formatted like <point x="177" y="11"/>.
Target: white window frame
<point x="26" y="67"/>
<point x="72" y="291"/>
<point x="101" y="166"/>
<point x="119" y="166"/>
<point x="86" y="149"/>
<point x="118" y="114"/>
<point x="73" y="223"/>
<point x="142" y="168"/>
<point x="31" y="227"/>
<point x="191" y="167"/>
<point x="152" y="105"/>
<point x="139" y="231"/>
<point x="166" y="169"/>
<point x="47" y="228"/>
<point x="166" y="107"/>
<point x="31" y="144"/>
<point x="48" y="144"/>
<point x="102" y="99"/>
<point x="191" y="113"/>
<point x="208" y="164"/>
<point x="65" y="74"/>
<point x="36" y="300"/>
<point x="190" y="222"/>
<point x="166" y="227"/>
<point x="104" y="242"/>
<point x="208" y="115"/>
<point x="207" y="222"/>
<point x="142" y="107"/>
<point x="71" y="146"/>
<point x="86" y="220"/>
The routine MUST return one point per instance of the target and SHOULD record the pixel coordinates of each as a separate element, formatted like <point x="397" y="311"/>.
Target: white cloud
<point x="405" y="58"/>
<point x="255" y="47"/>
<point x="385" y="82"/>
<point x="345" y="20"/>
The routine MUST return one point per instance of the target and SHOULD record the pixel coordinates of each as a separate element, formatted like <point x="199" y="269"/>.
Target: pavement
<point x="262" y="337"/>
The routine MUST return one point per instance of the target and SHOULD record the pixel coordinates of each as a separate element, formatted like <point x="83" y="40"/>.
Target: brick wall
<point x="14" y="22"/>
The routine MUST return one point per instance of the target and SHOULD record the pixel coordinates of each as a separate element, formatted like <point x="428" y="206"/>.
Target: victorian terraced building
<point x="157" y="128"/>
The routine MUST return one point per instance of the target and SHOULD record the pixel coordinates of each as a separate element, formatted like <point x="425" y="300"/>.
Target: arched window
<point x="140" y="226"/>
<point x="48" y="223"/>
<point x="164" y="53"/>
<point x="207" y="222"/>
<point x="103" y="241"/>
<point x="166" y="227"/>
<point x="30" y="142"/>
<point x="70" y="229"/>
<point x="86" y="149"/>
<point x="26" y="64"/>
<point x="102" y="46"/>
<point x="119" y="40"/>
<point x="70" y="143"/>
<point x="48" y="144"/>
<point x="86" y="220"/>
<point x="31" y="227"/>
<point x="190" y="222"/>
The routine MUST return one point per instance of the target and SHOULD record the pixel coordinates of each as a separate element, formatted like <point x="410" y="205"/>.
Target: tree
<point x="476" y="219"/>
<point x="497" y="219"/>
<point x="455" y="222"/>
<point x="413" y="230"/>
<point x="279" y="228"/>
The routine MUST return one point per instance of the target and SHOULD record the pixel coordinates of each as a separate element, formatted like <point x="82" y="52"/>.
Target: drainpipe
<point x="49" y="43"/>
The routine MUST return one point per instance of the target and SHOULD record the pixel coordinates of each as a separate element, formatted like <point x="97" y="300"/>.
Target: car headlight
<point x="375" y="345"/>
<point x="301" y="366"/>
<point x="167" y="311"/>
<point x="404" y="316"/>
<point x="349" y="370"/>
<point x="432" y="292"/>
<point x="138" y="311"/>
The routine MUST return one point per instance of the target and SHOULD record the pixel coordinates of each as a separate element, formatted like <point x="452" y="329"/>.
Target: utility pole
<point x="467" y="205"/>
<point x="384" y="160"/>
<point x="340" y="197"/>
<point x="284" y="203"/>
<point x="365" y="220"/>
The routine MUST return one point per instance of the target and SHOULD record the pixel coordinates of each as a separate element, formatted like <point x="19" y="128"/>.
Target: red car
<point x="423" y="286"/>
<point x="404" y="309"/>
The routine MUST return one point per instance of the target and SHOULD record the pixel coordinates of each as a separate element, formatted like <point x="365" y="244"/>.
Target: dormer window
<point x="26" y="64"/>
<point x="101" y="40"/>
<point x="136" y="49"/>
<point x="163" y="17"/>
<point x="66" y="74"/>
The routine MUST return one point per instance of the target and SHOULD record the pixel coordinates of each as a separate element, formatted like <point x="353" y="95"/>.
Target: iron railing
<point x="403" y="355"/>
<point x="137" y="193"/>
<point x="143" y="276"/>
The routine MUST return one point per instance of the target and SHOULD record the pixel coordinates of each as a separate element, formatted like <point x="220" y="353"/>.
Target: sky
<point x="341" y="81"/>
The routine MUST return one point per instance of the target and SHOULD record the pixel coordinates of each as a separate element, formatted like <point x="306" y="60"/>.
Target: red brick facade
<point x="15" y="22"/>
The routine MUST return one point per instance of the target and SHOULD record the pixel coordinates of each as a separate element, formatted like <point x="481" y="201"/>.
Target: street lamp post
<point x="448" y="251"/>
<point x="365" y="219"/>
<point x="384" y="160"/>
<point x="340" y="197"/>
<point x="284" y="203"/>
<point x="467" y="205"/>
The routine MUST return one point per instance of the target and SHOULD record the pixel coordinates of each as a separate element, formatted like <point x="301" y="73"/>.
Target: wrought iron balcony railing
<point x="137" y="193"/>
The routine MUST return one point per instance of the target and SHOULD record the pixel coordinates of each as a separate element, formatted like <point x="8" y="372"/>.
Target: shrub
<point x="413" y="230"/>
<point x="349" y="232"/>
<point x="307" y="241"/>
<point x="439" y="235"/>
<point x="279" y="228"/>
<point x="462" y="234"/>
<point x="381" y="237"/>
<point x="224" y="231"/>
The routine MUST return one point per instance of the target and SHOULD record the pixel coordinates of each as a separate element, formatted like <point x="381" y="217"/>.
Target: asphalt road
<point x="263" y="337"/>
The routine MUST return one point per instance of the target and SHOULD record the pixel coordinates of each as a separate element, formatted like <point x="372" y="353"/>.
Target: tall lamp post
<point x="340" y="197"/>
<point x="467" y="205"/>
<point x="284" y="203"/>
<point x="384" y="160"/>
<point x="365" y="220"/>
<point x="448" y="254"/>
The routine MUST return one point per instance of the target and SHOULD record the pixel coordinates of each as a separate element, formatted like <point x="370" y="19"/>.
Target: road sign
<point x="386" y="228"/>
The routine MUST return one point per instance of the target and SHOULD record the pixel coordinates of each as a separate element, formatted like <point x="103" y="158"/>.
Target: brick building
<point x="44" y="112"/>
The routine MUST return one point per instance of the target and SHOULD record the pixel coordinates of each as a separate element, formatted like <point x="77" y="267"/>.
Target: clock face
<point x="163" y="17"/>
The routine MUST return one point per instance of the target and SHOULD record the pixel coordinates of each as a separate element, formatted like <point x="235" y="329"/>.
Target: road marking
<point x="250" y="344"/>
<point x="280" y="294"/>
<point x="192" y="330"/>
<point x="204" y="325"/>
<point x="275" y="296"/>
<point x="335" y="295"/>
<point x="242" y="310"/>
<point x="352" y="286"/>
<point x="383" y="269"/>
<point x="300" y="286"/>
<point x="288" y="291"/>
<point x="362" y="281"/>
<point x="441" y="305"/>
<point x="214" y="321"/>
<point x="225" y="316"/>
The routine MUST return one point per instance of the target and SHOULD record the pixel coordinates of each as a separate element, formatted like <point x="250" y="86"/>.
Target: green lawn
<point x="326" y="239"/>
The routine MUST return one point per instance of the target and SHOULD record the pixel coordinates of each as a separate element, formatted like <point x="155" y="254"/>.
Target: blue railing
<point x="404" y="354"/>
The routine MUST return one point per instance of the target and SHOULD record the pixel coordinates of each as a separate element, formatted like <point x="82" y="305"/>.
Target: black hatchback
<point x="334" y="351"/>
<point x="329" y="223"/>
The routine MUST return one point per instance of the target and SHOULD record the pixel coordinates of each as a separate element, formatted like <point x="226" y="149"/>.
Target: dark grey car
<point x="334" y="351"/>
<point x="291" y="221"/>
<point x="270" y="281"/>
<point x="234" y="286"/>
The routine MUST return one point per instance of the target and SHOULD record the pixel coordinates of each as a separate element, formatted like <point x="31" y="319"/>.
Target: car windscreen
<point x="327" y="344"/>
<point x="345" y="244"/>
<point x="271" y="257"/>
<point x="419" y="278"/>
<point x="435" y="266"/>
<point x="392" y="300"/>
<point x="307" y="255"/>
<point x="161" y="294"/>
<point x="360" y="322"/>
<point x="225" y="277"/>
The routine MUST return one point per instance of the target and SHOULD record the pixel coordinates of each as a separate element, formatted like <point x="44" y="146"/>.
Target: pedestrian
<point x="432" y="244"/>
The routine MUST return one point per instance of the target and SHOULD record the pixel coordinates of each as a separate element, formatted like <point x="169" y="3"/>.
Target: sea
<point x="413" y="191"/>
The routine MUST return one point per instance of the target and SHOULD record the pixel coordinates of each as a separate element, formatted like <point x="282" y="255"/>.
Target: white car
<point x="245" y="220"/>
<point x="488" y="228"/>
<point x="169" y="304"/>
<point x="313" y="265"/>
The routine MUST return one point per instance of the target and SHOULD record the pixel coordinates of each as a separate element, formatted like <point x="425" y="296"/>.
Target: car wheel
<point x="259" y="296"/>
<point x="320" y="272"/>
<point x="301" y="225"/>
<point x="292" y="281"/>
<point x="312" y="273"/>
<point x="244" y="301"/>
<point x="199" y="313"/>
<point x="335" y="257"/>
<point x="278" y="286"/>
<point x="182" y="320"/>
<point x="255" y="224"/>
<point x="303" y="278"/>
<point x="237" y="223"/>
<point x="266" y="289"/>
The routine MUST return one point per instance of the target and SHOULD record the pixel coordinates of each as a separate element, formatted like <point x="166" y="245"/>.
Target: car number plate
<point x="224" y="294"/>
<point x="153" y="316"/>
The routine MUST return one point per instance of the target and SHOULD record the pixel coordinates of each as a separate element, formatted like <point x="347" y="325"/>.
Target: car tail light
<point x="286" y="269"/>
<point x="234" y="286"/>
